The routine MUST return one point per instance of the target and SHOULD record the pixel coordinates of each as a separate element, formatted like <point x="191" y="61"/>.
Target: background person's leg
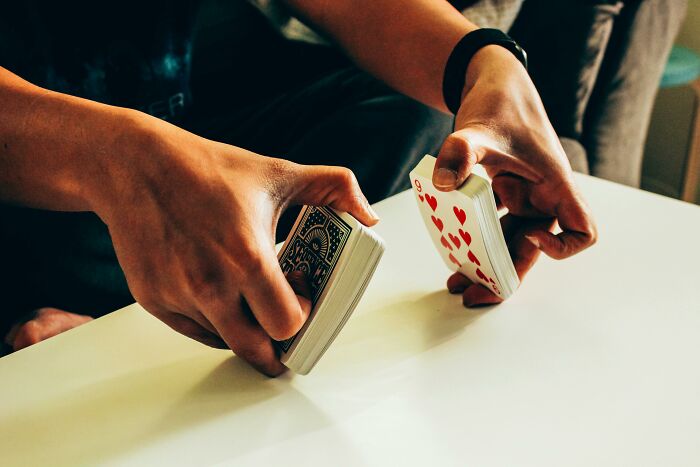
<point x="617" y="118"/>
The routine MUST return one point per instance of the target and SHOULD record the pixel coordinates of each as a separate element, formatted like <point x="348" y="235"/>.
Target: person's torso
<point x="128" y="53"/>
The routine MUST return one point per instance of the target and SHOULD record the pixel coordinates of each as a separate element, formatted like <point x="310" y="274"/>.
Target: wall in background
<point x="690" y="34"/>
<point x="669" y="131"/>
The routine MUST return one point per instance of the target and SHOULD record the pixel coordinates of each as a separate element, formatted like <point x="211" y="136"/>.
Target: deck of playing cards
<point x="339" y="256"/>
<point x="465" y="228"/>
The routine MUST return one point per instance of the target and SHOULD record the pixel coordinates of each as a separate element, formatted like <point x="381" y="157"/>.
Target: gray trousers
<point x="597" y="65"/>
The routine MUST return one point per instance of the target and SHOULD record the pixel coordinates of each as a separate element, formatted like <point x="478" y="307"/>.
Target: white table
<point x="595" y="361"/>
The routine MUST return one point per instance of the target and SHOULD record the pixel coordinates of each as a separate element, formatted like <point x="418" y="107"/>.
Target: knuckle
<point x="251" y="262"/>
<point x="346" y="178"/>
<point x="457" y="144"/>
<point x="155" y="307"/>
<point x="30" y="333"/>
<point x="149" y="303"/>
<point x="207" y="294"/>
<point x="47" y="311"/>
<point x="201" y="335"/>
<point x="182" y="326"/>
<point x="286" y="327"/>
<point x="258" y="356"/>
<point x="205" y="288"/>
<point x="252" y="355"/>
<point x="188" y="327"/>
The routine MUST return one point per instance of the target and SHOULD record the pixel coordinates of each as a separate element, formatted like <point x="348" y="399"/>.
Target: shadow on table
<point x="385" y="337"/>
<point x="137" y="411"/>
<point x="134" y="411"/>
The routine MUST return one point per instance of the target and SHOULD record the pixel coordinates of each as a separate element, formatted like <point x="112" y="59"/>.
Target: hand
<point x="193" y="224"/>
<point x="502" y="125"/>
<point x="44" y="323"/>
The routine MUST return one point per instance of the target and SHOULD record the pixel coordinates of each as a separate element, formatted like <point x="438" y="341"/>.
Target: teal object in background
<point x="683" y="67"/>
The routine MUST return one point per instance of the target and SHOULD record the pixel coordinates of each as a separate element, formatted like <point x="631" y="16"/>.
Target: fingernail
<point x="534" y="241"/>
<point x="455" y="290"/>
<point x="445" y="178"/>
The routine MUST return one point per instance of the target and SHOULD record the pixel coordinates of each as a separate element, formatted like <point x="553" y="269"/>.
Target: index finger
<point x="333" y="186"/>
<point x="578" y="230"/>
<point x="243" y="334"/>
<point x="272" y="300"/>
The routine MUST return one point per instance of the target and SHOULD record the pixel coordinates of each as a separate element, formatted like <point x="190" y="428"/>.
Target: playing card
<point x="339" y="256"/>
<point x="453" y="224"/>
<point x="315" y="245"/>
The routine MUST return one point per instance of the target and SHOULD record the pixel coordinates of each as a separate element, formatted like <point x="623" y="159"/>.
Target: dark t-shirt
<point x="130" y="53"/>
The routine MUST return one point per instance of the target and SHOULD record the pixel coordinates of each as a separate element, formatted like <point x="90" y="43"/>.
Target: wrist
<point x="126" y="154"/>
<point x="492" y="63"/>
<point x="54" y="148"/>
<point x="60" y="152"/>
<point x="454" y="82"/>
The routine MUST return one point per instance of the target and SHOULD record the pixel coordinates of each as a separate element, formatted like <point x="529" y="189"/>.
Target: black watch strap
<point x="456" y="67"/>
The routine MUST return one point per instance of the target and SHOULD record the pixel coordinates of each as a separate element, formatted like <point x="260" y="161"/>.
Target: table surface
<point x="593" y="362"/>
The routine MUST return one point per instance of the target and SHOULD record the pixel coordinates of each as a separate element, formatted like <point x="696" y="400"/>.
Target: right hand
<point x="193" y="225"/>
<point x="502" y="124"/>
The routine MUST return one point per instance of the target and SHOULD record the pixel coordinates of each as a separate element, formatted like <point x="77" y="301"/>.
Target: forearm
<point x="55" y="148"/>
<point x="406" y="43"/>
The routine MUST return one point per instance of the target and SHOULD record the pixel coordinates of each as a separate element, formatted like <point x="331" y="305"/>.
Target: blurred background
<point x="672" y="121"/>
<point x="607" y="70"/>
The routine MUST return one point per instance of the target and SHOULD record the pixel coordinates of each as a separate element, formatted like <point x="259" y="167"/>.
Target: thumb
<point x="455" y="160"/>
<point x="319" y="185"/>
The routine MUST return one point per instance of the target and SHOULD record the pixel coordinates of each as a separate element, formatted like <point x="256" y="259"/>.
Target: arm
<point x="404" y="43"/>
<point x="501" y="122"/>
<point x="52" y="146"/>
<point x="192" y="220"/>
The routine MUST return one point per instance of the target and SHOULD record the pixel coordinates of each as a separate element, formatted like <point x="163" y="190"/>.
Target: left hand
<point x="44" y="323"/>
<point x="502" y="125"/>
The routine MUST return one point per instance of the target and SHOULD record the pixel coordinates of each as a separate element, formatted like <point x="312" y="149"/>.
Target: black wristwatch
<point x="456" y="67"/>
